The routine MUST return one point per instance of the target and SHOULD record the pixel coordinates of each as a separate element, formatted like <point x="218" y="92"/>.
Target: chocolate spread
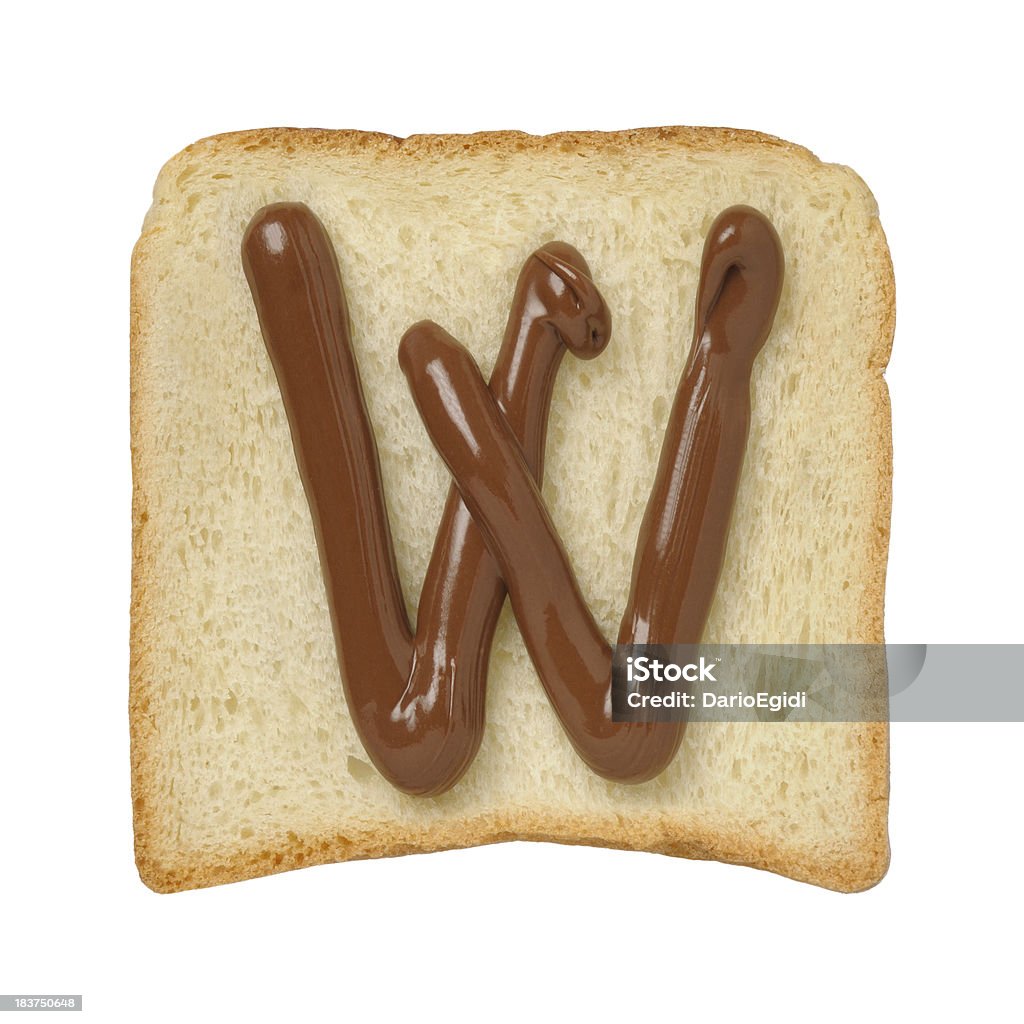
<point x="417" y="699"/>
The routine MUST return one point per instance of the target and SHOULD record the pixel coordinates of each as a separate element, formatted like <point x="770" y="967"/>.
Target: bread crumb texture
<point x="244" y="758"/>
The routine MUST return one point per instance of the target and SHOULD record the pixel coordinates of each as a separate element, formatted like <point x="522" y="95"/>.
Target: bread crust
<point x="341" y="141"/>
<point x="843" y="869"/>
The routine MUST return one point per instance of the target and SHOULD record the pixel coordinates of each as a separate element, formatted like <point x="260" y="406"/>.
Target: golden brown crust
<point x="874" y="738"/>
<point x="141" y="725"/>
<point x="843" y="870"/>
<point x="288" y="140"/>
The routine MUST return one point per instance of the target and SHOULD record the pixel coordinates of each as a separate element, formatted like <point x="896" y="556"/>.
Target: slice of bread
<point x="244" y="757"/>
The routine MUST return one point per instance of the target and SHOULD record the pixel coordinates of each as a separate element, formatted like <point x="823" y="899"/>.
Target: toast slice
<point x="245" y="760"/>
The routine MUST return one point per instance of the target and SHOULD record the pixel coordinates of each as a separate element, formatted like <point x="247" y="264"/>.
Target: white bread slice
<point x="244" y="758"/>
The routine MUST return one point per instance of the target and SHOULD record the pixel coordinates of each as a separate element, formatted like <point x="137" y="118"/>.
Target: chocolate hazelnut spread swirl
<point x="418" y="699"/>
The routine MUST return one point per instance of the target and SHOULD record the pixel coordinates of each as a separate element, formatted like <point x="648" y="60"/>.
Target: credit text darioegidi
<point x="643" y="669"/>
<point x="678" y="699"/>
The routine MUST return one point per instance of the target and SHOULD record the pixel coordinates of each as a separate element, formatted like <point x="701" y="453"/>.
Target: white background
<point x="924" y="105"/>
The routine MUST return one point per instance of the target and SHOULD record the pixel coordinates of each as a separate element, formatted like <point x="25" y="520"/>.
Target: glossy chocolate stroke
<point x="418" y="700"/>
